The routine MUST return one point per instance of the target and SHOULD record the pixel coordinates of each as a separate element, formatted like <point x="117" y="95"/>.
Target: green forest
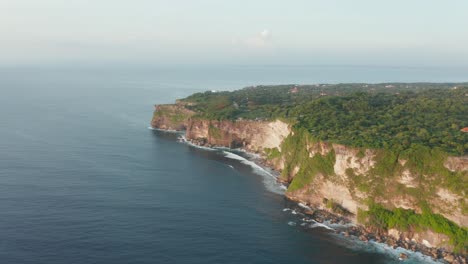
<point x="390" y="116"/>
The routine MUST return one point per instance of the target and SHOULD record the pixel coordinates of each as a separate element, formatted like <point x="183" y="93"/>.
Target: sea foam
<point x="356" y="244"/>
<point x="183" y="139"/>
<point x="165" y="130"/>
<point x="269" y="180"/>
<point x="381" y="248"/>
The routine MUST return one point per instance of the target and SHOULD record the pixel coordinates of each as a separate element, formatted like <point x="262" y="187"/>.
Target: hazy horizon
<point x="359" y="33"/>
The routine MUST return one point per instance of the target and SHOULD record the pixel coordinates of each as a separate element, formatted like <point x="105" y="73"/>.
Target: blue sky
<point x="352" y="32"/>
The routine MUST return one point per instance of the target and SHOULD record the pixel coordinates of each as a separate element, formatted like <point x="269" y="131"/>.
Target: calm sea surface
<point x="83" y="179"/>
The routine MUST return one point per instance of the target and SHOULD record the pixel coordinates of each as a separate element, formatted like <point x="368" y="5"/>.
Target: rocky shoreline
<point x="368" y="234"/>
<point x="356" y="231"/>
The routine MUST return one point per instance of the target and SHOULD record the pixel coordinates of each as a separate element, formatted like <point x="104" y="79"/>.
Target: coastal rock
<point x="449" y="258"/>
<point x="457" y="163"/>
<point x="403" y="256"/>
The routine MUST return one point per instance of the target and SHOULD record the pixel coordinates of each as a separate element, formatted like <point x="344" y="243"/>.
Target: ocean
<point x="83" y="179"/>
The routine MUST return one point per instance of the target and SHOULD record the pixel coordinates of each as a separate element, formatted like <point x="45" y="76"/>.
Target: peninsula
<point x="391" y="158"/>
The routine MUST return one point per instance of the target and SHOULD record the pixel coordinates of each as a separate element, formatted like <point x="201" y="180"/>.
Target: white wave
<point x="165" y="130"/>
<point x="183" y="139"/>
<point x="339" y="225"/>
<point x="245" y="161"/>
<point x="317" y="224"/>
<point x="304" y="206"/>
<point x="272" y="185"/>
<point x="234" y="156"/>
<point x="238" y="150"/>
<point x="230" y="166"/>
<point x="222" y="148"/>
<point x="382" y="248"/>
<point x="269" y="180"/>
<point x="413" y="257"/>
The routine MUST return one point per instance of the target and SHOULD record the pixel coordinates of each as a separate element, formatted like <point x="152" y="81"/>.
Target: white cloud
<point x="265" y="34"/>
<point x="261" y="40"/>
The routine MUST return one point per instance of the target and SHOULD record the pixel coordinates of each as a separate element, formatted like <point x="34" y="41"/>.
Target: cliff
<point x="171" y="117"/>
<point x="250" y="135"/>
<point x="407" y="195"/>
<point x="253" y="136"/>
<point x="417" y="194"/>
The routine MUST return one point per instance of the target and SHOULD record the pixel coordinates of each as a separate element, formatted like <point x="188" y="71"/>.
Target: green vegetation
<point x="336" y="207"/>
<point x="406" y="127"/>
<point x="296" y="155"/>
<point x="423" y="162"/>
<point x="358" y="182"/>
<point x="431" y="118"/>
<point x="175" y="115"/>
<point x="380" y="183"/>
<point x="214" y="132"/>
<point x="272" y="153"/>
<point x="388" y="116"/>
<point x="408" y="220"/>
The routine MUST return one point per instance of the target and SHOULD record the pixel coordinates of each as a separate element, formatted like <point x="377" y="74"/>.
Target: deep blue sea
<point x="83" y="179"/>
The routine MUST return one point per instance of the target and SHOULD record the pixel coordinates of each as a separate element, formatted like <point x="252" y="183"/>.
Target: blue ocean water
<point x="82" y="179"/>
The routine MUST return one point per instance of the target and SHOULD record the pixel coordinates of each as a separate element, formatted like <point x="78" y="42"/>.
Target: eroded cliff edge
<point x="417" y="195"/>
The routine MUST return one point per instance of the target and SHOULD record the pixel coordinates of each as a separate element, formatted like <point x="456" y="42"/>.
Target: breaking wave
<point x="356" y="244"/>
<point x="381" y="248"/>
<point x="164" y="130"/>
<point x="183" y="139"/>
<point x="317" y="224"/>
<point x="269" y="180"/>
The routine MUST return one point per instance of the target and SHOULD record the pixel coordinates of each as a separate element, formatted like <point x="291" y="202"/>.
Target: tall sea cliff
<point x="416" y="195"/>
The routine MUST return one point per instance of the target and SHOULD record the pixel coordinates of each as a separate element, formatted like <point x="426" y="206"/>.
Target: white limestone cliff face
<point x="355" y="162"/>
<point x="254" y="136"/>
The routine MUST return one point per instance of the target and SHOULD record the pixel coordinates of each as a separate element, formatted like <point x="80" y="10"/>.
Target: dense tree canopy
<point x="363" y="115"/>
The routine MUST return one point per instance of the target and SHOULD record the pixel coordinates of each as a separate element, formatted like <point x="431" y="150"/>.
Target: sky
<point x="294" y="32"/>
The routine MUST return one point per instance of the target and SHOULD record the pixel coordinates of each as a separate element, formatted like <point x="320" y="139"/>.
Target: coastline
<point x="361" y="233"/>
<point x="348" y="229"/>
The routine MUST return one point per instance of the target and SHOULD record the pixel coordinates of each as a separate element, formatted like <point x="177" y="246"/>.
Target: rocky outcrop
<point x="171" y="117"/>
<point x="427" y="238"/>
<point x="457" y="163"/>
